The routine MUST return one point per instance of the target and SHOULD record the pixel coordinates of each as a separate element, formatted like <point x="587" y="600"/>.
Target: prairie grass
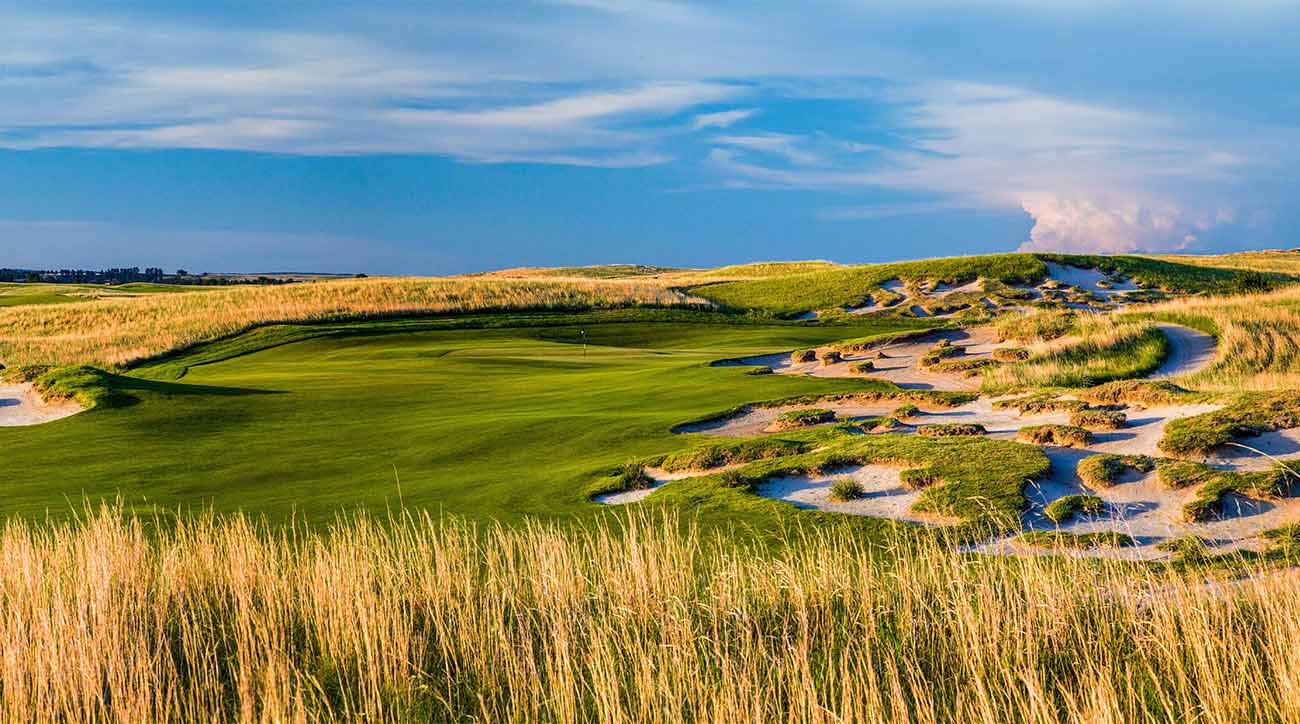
<point x="640" y="620"/>
<point x="120" y="330"/>
<point x="1101" y="349"/>
<point x="1258" y="338"/>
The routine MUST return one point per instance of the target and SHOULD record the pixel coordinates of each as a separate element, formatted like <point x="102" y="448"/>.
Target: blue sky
<point x="443" y="137"/>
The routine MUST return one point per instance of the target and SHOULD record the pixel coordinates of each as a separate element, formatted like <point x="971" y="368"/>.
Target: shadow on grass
<point x="119" y="390"/>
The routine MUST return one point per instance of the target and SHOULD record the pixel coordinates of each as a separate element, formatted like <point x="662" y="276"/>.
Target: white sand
<point x="21" y="405"/>
<point x="885" y="496"/>
<point x="1189" y="351"/>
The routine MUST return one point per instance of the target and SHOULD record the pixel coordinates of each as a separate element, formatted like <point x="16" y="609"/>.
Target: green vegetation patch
<point x="941" y="351"/>
<point x="1103" y="471"/>
<point x="1198" y="435"/>
<point x="1145" y="392"/>
<point x="1189" y="548"/>
<point x="951" y="429"/>
<point x="1064" y="508"/>
<point x="1096" y="419"/>
<point x="804" y="418"/>
<point x="1039" y="402"/>
<point x="1036" y="326"/>
<point x="1076" y="541"/>
<point x="1010" y="354"/>
<point x="1058" y="435"/>
<point x="729" y="453"/>
<point x="803" y="355"/>
<point x="844" y="490"/>
<point x="968" y="366"/>
<point x="862" y="367"/>
<point x="1106" y="351"/>
<point x="1284" y="538"/>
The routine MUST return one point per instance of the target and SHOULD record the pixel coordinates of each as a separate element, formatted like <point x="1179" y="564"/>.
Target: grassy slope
<point x="12" y="295"/>
<point x="494" y="423"/>
<point x="789" y="294"/>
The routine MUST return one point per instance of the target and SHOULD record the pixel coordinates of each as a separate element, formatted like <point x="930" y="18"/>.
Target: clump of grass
<point x="729" y="453"/>
<point x="917" y="478"/>
<point x="803" y="355"/>
<point x="905" y="411"/>
<point x="881" y="424"/>
<point x="1058" y="435"/>
<point x="632" y="476"/>
<point x="1284" y="538"/>
<point x="942" y="350"/>
<point x="1039" y="402"/>
<point x="1101" y="471"/>
<point x="1066" y="507"/>
<point x="862" y="367"/>
<point x="1179" y="474"/>
<point x="1035" y="326"/>
<point x="1261" y="485"/>
<point x="804" y="418"/>
<point x="968" y="366"/>
<point x="1145" y="392"/>
<point x="1010" y="354"/>
<point x="830" y="357"/>
<point x="1190" y="548"/>
<point x="759" y="371"/>
<point x="1084" y="541"/>
<point x="951" y="429"/>
<point x="844" y="490"/>
<point x="1199" y="435"/>
<point x="1094" y="419"/>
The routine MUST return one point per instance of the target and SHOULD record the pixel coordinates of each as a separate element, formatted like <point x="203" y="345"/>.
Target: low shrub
<point x="1010" y="354"/>
<point x="1059" y="435"/>
<point x="804" y="418"/>
<point x="1101" y="471"/>
<point x="1065" y="508"/>
<point x="1094" y="419"/>
<point x="951" y="429"/>
<point x="1062" y="539"/>
<point x="845" y="489"/>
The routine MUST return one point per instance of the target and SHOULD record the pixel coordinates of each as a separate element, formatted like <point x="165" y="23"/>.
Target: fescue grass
<point x="1066" y="507"/>
<point x="1037" y="326"/>
<point x="1058" y="435"/>
<point x="804" y="418"/>
<point x="966" y="366"/>
<point x="950" y="429"/>
<point x="940" y="351"/>
<point x="1076" y="541"/>
<point x="830" y="357"/>
<point x="1105" y="350"/>
<point x="906" y="411"/>
<point x="1039" y="402"/>
<point x="120" y="330"/>
<point x="844" y="490"/>
<point x="1187" y="548"/>
<point x="803" y="355"/>
<point x="862" y="367"/>
<point x="1199" y="435"/>
<point x="643" y="620"/>
<point x="1103" y="471"/>
<point x="1094" y="419"/>
<point x="1010" y="354"/>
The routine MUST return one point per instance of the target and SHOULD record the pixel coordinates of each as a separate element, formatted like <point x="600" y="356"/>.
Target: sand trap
<point x="21" y="405"/>
<point x="1189" y="351"/>
<point x="885" y="496"/>
<point x="1088" y="280"/>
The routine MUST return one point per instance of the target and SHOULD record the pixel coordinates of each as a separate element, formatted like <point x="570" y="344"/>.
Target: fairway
<point x="486" y="423"/>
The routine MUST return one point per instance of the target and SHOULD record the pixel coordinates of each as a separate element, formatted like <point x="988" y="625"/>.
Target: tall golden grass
<point x="1098" y="348"/>
<point x="115" y="331"/>
<point x="648" y="621"/>
<point x="1258" y="339"/>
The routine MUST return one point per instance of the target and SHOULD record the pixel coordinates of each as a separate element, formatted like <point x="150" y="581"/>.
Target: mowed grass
<point x="488" y="423"/>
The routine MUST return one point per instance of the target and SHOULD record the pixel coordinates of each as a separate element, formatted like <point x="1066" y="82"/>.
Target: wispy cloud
<point x="722" y="119"/>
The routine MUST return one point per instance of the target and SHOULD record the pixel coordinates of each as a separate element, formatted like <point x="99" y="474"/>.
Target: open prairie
<point x="510" y="496"/>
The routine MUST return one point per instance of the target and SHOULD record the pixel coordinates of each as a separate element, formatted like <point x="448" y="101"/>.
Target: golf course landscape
<point x="1018" y="487"/>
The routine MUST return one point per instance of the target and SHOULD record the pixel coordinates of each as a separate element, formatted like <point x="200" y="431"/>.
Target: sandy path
<point x="21" y="405"/>
<point x="1189" y="351"/>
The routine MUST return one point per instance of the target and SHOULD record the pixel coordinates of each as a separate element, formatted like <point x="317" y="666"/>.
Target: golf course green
<point x="490" y="423"/>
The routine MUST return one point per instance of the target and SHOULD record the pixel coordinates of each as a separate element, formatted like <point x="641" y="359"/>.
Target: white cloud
<point x="722" y="119"/>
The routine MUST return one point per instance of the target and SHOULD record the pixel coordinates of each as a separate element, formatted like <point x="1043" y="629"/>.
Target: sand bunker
<point x="21" y="405"/>
<point x="883" y="495"/>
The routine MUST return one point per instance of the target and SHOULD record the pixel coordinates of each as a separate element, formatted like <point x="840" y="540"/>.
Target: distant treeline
<point x="127" y="275"/>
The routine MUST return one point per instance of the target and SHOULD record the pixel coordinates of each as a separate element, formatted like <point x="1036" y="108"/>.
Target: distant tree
<point x="182" y="273"/>
<point x="359" y="276"/>
<point x="33" y="277"/>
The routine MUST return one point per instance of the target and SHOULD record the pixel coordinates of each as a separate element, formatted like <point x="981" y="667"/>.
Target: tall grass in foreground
<point x="436" y="620"/>
<point x="114" y="331"/>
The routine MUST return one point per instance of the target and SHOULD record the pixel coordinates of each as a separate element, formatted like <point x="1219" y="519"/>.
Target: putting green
<point x="486" y="423"/>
